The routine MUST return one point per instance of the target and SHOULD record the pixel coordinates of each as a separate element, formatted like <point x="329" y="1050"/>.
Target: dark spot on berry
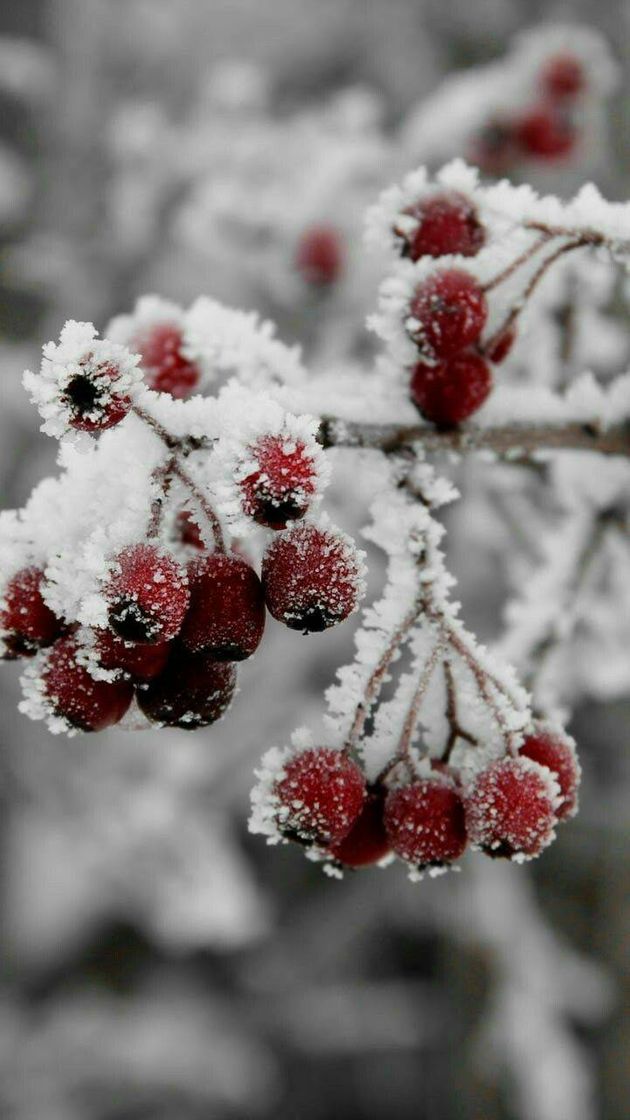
<point x="132" y="623"/>
<point x="82" y="394"/>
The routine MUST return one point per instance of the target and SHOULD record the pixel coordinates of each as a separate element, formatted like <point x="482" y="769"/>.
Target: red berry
<point x="311" y="577"/>
<point x="282" y="486"/>
<point x="26" y="622"/>
<point x="147" y="594"/>
<point x="563" y="76"/>
<point x="367" y="841"/>
<point x="425" y="822"/>
<point x="193" y="691"/>
<point x="510" y="809"/>
<point x="546" y="134"/>
<point x="319" y="255"/>
<point x="499" y="347"/>
<point x="494" y="148"/>
<point x="319" y="797"/>
<point x="557" y="752"/>
<point x="165" y="368"/>
<point x="73" y="694"/>
<point x="226" y="617"/>
<point x="140" y="662"/>
<point x="450" y="310"/>
<point x="445" y="223"/>
<point x="449" y="392"/>
<point x="92" y="400"/>
<point x="187" y="530"/>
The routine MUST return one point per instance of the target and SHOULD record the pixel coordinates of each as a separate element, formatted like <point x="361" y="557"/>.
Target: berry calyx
<point x="26" y="621"/>
<point x="557" y="752"/>
<point x="74" y="695"/>
<point x="441" y="224"/>
<point x="545" y="133"/>
<point x="140" y="662"/>
<point x="319" y="256"/>
<point x="166" y="369"/>
<point x="563" y="76"/>
<point x="451" y="391"/>
<point x="425" y="822"/>
<point x="499" y="347"/>
<point x="510" y="809"/>
<point x="320" y="796"/>
<point x="448" y="313"/>
<point x="282" y="485"/>
<point x="91" y="399"/>
<point x="148" y="595"/>
<point x="312" y="577"/>
<point x="226" y="616"/>
<point x="192" y="691"/>
<point x="367" y="841"/>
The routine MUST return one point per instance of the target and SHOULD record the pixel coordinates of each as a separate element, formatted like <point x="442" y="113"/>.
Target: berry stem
<point x="522" y="259"/>
<point x="162" y="477"/>
<point x="411" y="719"/>
<point x="456" y="730"/>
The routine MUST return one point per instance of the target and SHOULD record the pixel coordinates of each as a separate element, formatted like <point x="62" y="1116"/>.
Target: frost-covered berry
<point x="510" y="809"/>
<point x="443" y="223"/>
<point x="26" y="622"/>
<point x="74" y="695"/>
<point x="544" y="133"/>
<point x="194" y="690"/>
<point x="501" y="346"/>
<point x="425" y="822"/>
<point x="448" y="312"/>
<point x="367" y="841"/>
<point x="166" y="369"/>
<point x="563" y="76"/>
<point x="319" y="255"/>
<point x="312" y="577"/>
<point x="283" y="483"/>
<point x="320" y="796"/>
<point x="140" y="662"/>
<point x="147" y="595"/>
<point x="557" y="752"/>
<point x="226" y="617"/>
<point x="451" y="391"/>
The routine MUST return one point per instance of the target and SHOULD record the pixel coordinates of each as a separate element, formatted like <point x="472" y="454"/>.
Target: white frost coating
<point x="238" y="342"/>
<point x="151" y="311"/>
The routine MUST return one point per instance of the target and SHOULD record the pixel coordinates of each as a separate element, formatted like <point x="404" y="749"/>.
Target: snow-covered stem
<point x="456" y="730"/>
<point x="413" y="713"/>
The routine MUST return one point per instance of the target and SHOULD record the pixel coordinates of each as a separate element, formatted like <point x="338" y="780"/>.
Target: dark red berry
<point x="510" y="809"/>
<point x="140" y="662"/>
<point x="319" y="797"/>
<point x="187" y="530"/>
<point x="494" y="149"/>
<point x="319" y="256"/>
<point x="367" y="842"/>
<point x="282" y="486"/>
<point x="563" y="76"/>
<point x="73" y="694"/>
<point x="147" y="594"/>
<point x="557" y="752"/>
<point x="543" y="133"/>
<point x="311" y="577"/>
<point x="450" y="312"/>
<point x="166" y="370"/>
<point x="92" y="399"/>
<point x="449" y="392"/>
<point x="425" y="822"/>
<point x="444" y="223"/>
<point x="226" y="617"/>
<point x="26" y="622"/>
<point x="192" y="691"/>
<point x="499" y="348"/>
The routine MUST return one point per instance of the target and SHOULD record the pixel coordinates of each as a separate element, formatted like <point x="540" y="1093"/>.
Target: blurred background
<point x="158" y="963"/>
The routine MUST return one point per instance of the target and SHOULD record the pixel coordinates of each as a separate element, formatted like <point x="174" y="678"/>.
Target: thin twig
<point x="456" y="730"/>
<point x="411" y="719"/>
<point x="514" y="265"/>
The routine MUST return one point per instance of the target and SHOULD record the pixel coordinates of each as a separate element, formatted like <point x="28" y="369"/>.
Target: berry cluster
<point x="425" y="813"/>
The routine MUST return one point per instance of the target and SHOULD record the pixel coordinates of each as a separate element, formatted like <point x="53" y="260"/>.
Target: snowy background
<point x="158" y="963"/>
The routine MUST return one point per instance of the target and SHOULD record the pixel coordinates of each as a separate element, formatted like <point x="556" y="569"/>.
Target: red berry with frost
<point x="147" y="594"/>
<point x="543" y="133"/>
<point x="367" y="841"/>
<point x="494" y="149"/>
<point x="282" y="484"/>
<point x="451" y="391"/>
<point x="73" y="694"/>
<point x="166" y="369"/>
<point x="226" y="616"/>
<point x="312" y="577"/>
<point x="448" y="312"/>
<point x="563" y="76"/>
<point x="440" y="224"/>
<point x="500" y="346"/>
<point x="425" y="822"/>
<point x="319" y="256"/>
<point x="26" y="621"/>
<point x="92" y="400"/>
<point x="187" y="530"/>
<point x="557" y="752"/>
<point x="140" y="662"/>
<point x="320" y="796"/>
<point x="194" y="690"/>
<point x="510" y="809"/>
